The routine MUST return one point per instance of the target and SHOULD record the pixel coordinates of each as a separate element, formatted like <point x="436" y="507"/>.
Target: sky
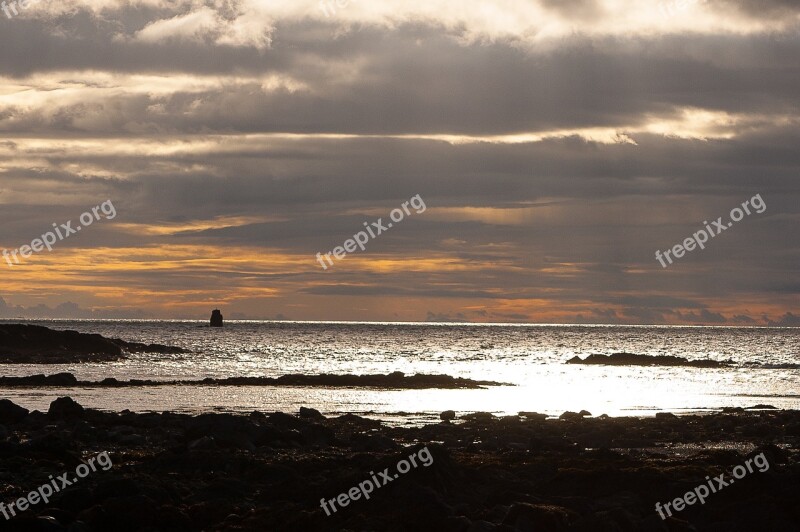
<point x="556" y="146"/>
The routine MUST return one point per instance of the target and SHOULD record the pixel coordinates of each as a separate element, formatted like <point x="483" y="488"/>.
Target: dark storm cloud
<point x="566" y="220"/>
<point x="404" y="87"/>
<point x="760" y="9"/>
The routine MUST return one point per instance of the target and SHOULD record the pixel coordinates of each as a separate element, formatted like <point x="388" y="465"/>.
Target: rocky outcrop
<point x="632" y="359"/>
<point x="394" y="380"/>
<point x="34" y="344"/>
<point x="216" y="318"/>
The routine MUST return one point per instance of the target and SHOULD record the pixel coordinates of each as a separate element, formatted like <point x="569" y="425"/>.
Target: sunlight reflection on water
<point x="531" y="357"/>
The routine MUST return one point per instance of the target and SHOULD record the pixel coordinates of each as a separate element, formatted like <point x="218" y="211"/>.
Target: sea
<point x="529" y="359"/>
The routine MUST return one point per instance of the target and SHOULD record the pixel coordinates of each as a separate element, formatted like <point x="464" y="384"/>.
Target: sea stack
<point x="216" y="318"/>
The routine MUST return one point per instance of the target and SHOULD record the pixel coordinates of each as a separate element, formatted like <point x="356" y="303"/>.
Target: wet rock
<point x="355" y="421"/>
<point x="732" y="409"/>
<point x="53" y="443"/>
<point x="632" y="359"/>
<point x="65" y="408"/>
<point x="172" y="518"/>
<point x="481" y="526"/>
<point x="526" y="517"/>
<point x="311" y="413"/>
<point x="447" y="415"/>
<point x="62" y="379"/>
<point x="11" y="413"/>
<point x="478" y="416"/>
<point x="318" y="435"/>
<point x="665" y="415"/>
<point x="574" y="416"/>
<point x="373" y="442"/>
<point x="203" y="444"/>
<point x="533" y="416"/>
<point x="773" y="453"/>
<point x="127" y="513"/>
<point x="285" y="421"/>
<point x="216" y="318"/>
<point x="424" y="508"/>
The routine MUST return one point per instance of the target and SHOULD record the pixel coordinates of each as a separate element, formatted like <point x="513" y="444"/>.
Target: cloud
<point x="440" y="317"/>
<point x="787" y="320"/>
<point x="68" y="310"/>
<point x="557" y="146"/>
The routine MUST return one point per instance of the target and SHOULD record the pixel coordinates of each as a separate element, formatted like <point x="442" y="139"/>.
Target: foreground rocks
<point x="34" y="344"/>
<point x="268" y="471"/>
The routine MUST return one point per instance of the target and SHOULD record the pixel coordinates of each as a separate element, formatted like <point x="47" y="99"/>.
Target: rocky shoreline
<point x="34" y="344"/>
<point x="268" y="471"/>
<point x="396" y="380"/>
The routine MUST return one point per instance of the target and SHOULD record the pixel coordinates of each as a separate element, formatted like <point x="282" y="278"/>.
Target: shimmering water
<point x="531" y="357"/>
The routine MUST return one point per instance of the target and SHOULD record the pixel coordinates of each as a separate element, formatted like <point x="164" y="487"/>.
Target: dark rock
<point x="354" y="421"/>
<point x="665" y="415"/>
<point x="478" y="416"/>
<point x="732" y="409"/>
<point x="373" y="442"/>
<point x="393" y="380"/>
<point x="632" y="359"/>
<point x="62" y="379"/>
<point x="773" y="453"/>
<point x="311" y="413"/>
<point x="52" y="443"/>
<point x="11" y="413"/>
<point x="34" y="344"/>
<point x="447" y="415"/>
<point x="128" y="513"/>
<point x="65" y="408"/>
<point x="285" y="421"/>
<point x="530" y="517"/>
<point x="425" y="508"/>
<point x="216" y="318"/>
<point x="172" y="518"/>
<point x="318" y="435"/>
<point x="203" y="444"/>
<point x="574" y="416"/>
<point x="533" y="416"/>
<point x="20" y="343"/>
<point x="761" y="407"/>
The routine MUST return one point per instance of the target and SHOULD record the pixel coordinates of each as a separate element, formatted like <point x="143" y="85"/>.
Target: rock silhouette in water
<point x="216" y="318"/>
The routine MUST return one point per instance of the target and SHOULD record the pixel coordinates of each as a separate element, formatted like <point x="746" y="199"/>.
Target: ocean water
<point x="529" y="358"/>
